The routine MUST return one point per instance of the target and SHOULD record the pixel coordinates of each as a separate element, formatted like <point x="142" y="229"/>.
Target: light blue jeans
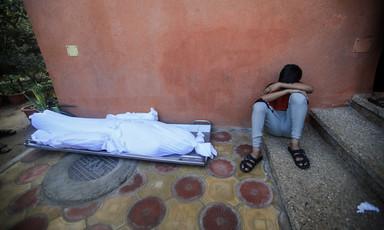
<point x="279" y="123"/>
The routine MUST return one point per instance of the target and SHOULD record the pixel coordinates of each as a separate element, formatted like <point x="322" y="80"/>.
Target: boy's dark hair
<point x="291" y="73"/>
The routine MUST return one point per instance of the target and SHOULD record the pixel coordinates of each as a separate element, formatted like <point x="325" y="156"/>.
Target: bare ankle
<point x="256" y="153"/>
<point x="295" y="144"/>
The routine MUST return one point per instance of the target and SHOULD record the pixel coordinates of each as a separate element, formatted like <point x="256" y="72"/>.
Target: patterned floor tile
<point x="113" y="211"/>
<point x="257" y="172"/>
<point x="221" y="137"/>
<point x="99" y="227"/>
<point x="52" y="158"/>
<point x="244" y="138"/>
<point x="181" y="215"/>
<point x="32" y="173"/>
<point x="164" y="168"/>
<point x="39" y="180"/>
<point x="189" y="169"/>
<point x="242" y="150"/>
<point x="221" y="190"/>
<point x="60" y="224"/>
<point x="51" y="212"/>
<point x="76" y="213"/>
<point x="145" y="166"/>
<point x="10" y="175"/>
<point x="37" y="222"/>
<point x="43" y="157"/>
<point x="125" y="227"/>
<point x="9" y="192"/>
<point x="146" y="213"/>
<point x="33" y="156"/>
<point x="219" y="216"/>
<point x="133" y="184"/>
<point x="24" y="201"/>
<point x="158" y="184"/>
<point x="224" y="150"/>
<point x="221" y="167"/>
<point x="9" y="220"/>
<point x="254" y="193"/>
<point x="185" y="194"/>
<point x="188" y="187"/>
<point x="259" y="219"/>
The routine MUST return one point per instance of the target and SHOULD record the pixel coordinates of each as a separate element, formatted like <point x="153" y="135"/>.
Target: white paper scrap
<point x="365" y="206"/>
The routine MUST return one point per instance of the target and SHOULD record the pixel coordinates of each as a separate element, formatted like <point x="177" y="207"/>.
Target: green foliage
<point x="19" y="51"/>
<point x="11" y="85"/>
<point x="45" y="98"/>
<point x="21" y="62"/>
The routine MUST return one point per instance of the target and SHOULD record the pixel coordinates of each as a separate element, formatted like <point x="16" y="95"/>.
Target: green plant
<point x="19" y="51"/>
<point x="45" y="98"/>
<point x="12" y="84"/>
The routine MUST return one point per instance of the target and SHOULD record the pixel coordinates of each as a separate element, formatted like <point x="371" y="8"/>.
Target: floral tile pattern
<point x="219" y="216"/>
<point x="155" y="196"/>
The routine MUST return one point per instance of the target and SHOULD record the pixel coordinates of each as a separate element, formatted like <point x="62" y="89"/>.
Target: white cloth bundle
<point x="365" y="206"/>
<point x="152" y="116"/>
<point x="118" y="135"/>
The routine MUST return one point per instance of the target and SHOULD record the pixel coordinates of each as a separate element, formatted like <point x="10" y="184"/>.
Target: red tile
<point x="243" y="150"/>
<point x="221" y="167"/>
<point x="132" y="186"/>
<point x="254" y="193"/>
<point x="34" y="155"/>
<point x="37" y="222"/>
<point x="31" y="174"/>
<point x="24" y="201"/>
<point x="221" y="136"/>
<point x="78" y="213"/>
<point x="188" y="188"/>
<point x="146" y="213"/>
<point x="164" y="167"/>
<point x="219" y="216"/>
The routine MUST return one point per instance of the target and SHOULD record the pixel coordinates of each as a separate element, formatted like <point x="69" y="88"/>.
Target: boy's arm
<point x="280" y="85"/>
<point x="297" y="85"/>
<point x="274" y="95"/>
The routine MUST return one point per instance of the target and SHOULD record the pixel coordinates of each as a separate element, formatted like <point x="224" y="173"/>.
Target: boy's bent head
<point x="291" y="73"/>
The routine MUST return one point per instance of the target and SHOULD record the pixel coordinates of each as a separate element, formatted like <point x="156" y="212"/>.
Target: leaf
<point x="35" y="105"/>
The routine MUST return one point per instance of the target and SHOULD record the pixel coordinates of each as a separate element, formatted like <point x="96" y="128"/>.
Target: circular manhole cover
<point x="91" y="167"/>
<point x="81" y="178"/>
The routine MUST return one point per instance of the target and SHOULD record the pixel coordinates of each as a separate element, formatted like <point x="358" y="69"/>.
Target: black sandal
<point x="7" y="132"/>
<point x="249" y="163"/>
<point x="297" y="154"/>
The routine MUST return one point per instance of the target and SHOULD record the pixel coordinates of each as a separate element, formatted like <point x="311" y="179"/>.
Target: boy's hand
<point x="271" y="88"/>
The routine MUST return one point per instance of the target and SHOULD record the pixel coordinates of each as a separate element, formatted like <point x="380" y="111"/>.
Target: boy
<point x="282" y="108"/>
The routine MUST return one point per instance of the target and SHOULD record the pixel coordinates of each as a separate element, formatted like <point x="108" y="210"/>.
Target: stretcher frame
<point x="191" y="158"/>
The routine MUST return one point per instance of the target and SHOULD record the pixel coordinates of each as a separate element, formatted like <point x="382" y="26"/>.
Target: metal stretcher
<point x="189" y="159"/>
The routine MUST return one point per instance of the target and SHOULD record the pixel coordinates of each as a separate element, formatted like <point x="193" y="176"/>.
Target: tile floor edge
<point x="14" y="160"/>
<point x="284" y="219"/>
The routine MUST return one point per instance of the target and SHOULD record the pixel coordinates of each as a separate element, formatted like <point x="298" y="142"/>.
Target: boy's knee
<point x="259" y="107"/>
<point x="298" y="98"/>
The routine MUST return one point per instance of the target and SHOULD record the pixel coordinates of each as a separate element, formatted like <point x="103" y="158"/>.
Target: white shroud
<point x="139" y="134"/>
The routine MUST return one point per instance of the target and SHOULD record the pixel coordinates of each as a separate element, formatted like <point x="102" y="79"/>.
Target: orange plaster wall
<point x="202" y="59"/>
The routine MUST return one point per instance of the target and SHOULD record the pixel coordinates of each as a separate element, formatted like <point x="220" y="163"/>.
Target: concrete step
<point x="373" y="112"/>
<point x="326" y="195"/>
<point x="356" y="140"/>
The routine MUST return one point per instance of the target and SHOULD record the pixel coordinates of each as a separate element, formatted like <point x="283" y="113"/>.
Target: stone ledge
<point x="356" y="141"/>
<point x="326" y="195"/>
<point x="374" y="113"/>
